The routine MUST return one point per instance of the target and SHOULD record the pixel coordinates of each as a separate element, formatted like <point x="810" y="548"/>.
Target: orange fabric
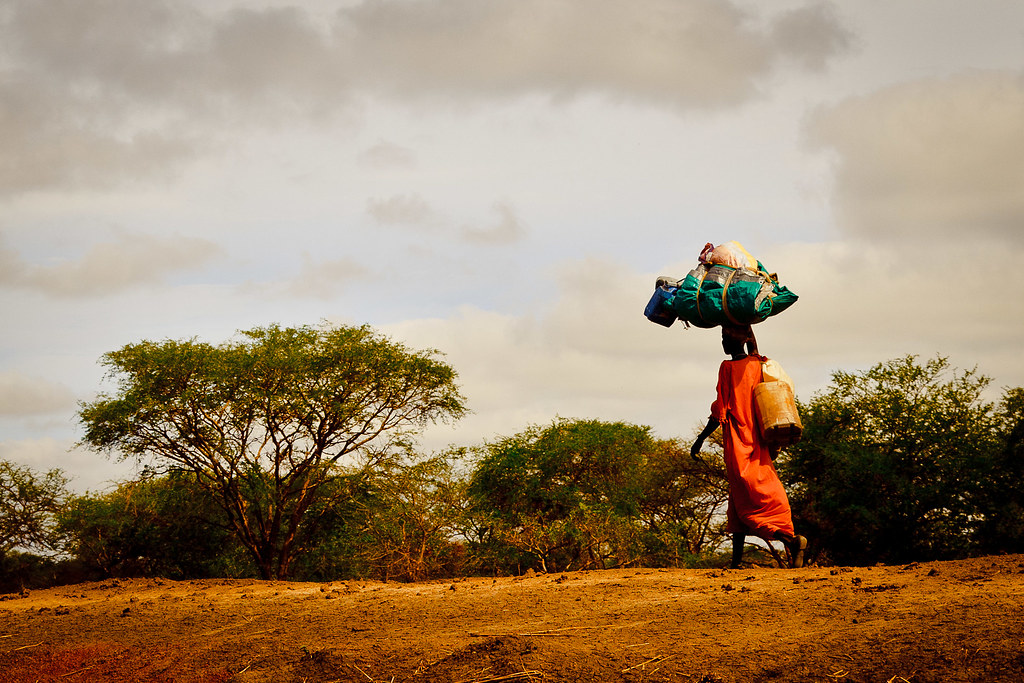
<point x="757" y="502"/>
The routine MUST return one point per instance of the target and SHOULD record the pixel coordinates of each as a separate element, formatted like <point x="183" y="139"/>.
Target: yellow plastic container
<point x="776" y="412"/>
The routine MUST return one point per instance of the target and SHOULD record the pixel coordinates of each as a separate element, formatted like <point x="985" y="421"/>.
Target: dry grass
<point x="99" y="662"/>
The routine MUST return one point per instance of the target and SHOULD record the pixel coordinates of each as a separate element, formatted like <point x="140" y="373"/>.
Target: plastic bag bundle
<point x="730" y="254"/>
<point x="728" y="286"/>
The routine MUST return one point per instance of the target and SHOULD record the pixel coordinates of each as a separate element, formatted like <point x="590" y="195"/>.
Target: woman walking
<point x="758" y="504"/>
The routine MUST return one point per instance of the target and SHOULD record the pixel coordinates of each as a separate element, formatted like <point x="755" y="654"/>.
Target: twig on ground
<point x="25" y="647"/>
<point x="419" y="667"/>
<point x="476" y="676"/>
<point x="554" y="631"/>
<point x="67" y="675"/>
<point x="652" y="660"/>
<point x="225" y="628"/>
<point x="519" y="675"/>
<point x="778" y="558"/>
<point x="268" y="630"/>
<point x="539" y="634"/>
<point x="362" y="672"/>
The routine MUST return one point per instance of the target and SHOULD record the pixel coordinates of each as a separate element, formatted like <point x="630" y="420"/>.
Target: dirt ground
<point x="942" y="621"/>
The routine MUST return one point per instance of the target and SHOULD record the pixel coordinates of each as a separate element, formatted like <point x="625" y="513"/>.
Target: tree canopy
<point x="290" y="453"/>
<point x="589" y="494"/>
<point x="154" y="526"/>
<point x="28" y="505"/>
<point x="264" y="420"/>
<point x="1000" y="501"/>
<point x="897" y="463"/>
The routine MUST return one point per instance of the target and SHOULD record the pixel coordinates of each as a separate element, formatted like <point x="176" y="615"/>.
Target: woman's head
<point x="736" y="337"/>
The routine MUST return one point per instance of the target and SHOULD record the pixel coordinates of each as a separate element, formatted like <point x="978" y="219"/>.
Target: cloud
<point x="85" y="469"/>
<point x="810" y="35"/>
<point x="402" y="209"/>
<point x="98" y="93"/>
<point x="44" y="147"/>
<point x="861" y="304"/>
<point x="690" y="53"/>
<point x="589" y="352"/>
<point x="930" y="160"/>
<point x="171" y="54"/>
<point x="413" y="211"/>
<point x="387" y="155"/>
<point x="39" y="454"/>
<point x="507" y="230"/>
<point x="130" y="261"/>
<point x="22" y="396"/>
<point x="324" y="279"/>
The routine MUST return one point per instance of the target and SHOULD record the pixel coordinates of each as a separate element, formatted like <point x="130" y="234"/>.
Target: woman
<point x="757" y="502"/>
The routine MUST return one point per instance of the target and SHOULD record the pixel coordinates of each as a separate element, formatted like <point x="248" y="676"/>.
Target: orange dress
<point x="757" y="502"/>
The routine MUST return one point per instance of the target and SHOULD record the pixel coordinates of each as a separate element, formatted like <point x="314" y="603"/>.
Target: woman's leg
<point x="738" y="539"/>
<point x="795" y="545"/>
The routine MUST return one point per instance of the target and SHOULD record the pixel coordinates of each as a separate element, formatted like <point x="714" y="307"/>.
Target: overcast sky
<point x="503" y="180"/>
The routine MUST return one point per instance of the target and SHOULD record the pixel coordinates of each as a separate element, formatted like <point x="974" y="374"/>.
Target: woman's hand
<point x="695" y="449"/>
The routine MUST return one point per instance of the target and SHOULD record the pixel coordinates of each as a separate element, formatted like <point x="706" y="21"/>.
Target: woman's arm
<point x="712" y="425"/>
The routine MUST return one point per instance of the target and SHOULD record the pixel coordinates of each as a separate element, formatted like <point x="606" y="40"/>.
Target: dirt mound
<point x="942" y="621"/>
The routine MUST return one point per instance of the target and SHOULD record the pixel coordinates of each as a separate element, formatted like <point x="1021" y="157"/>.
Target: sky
<point x="503" y="181"/>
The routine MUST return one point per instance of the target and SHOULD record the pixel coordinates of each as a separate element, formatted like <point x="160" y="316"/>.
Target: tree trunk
<point x="283" y="562"/>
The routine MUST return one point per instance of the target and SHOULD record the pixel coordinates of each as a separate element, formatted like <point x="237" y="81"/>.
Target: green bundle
<point x="715" y="294"/>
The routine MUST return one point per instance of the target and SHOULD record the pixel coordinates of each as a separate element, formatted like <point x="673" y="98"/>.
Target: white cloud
<point x="85" y="469"/>
<point x="810" y="35"/>
<point x="412" y="211"/>
<point x="324" y="279"/>
<point x="132" y="260"/>
<point x="507" y="230"/>
<point x="101" y="93"/>
<point x="862" y="304"/>
<point x="692" y="53"/>
<point x="592" y="354"/>
<point x="42" y="151"/>
<point x="22" y="395"/>
<point x="930" y="160"/>
<point x="387" y="155"/>
<point x="402" y="209"/>
<point x="589" y="353"/>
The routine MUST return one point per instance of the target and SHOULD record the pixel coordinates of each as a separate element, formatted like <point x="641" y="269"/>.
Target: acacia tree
<point x="681" y="508"/>
<point x="28" y="505"/>
<point x="1001" y="499"/>
<point x="416" y="515"/>
<point x="155" y="525"/>
<point x="265" y="420"/>
<point x="893" y="462"/>
<point x="587" y="494"/>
